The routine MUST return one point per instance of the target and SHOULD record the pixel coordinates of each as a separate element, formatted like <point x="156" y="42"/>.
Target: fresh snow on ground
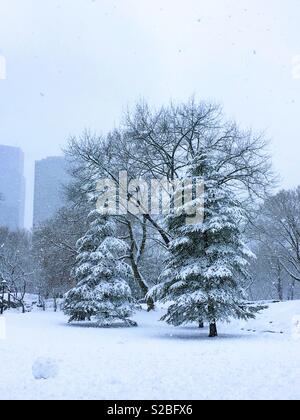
<point x="255" y="360"/>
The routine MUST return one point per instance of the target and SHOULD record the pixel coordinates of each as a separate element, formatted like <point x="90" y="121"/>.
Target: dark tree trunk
<point x="136" y="272"/>
<point x="140" y="281"/>
<point x="2" y="304"/>
<point x="279" y="285"/>
<point x="280" y="289"/>
<point x="55" y="298"/>
<point x="201" y="324"/>
<point x="213" y="332"/>
<point x="150" y="304"/>
<point x="161" y="231"/>
<point x="138" y="278"/>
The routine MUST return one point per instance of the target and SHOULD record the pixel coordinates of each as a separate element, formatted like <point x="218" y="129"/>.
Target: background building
<point x="51" y="176"/>
<point x="12" y="187"/>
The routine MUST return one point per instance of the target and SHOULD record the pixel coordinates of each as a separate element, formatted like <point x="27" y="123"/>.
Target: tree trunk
<point x="2" y="302"/>
<point x="292" y="290"/>
<point x="138" y="277"/>
<point x="279" y="285"/>
<point x="55" y="303"/>
<point x="201" y="323"/>
<point x="160" y="230"/>
<point x="144" y="288"/>
<point x="150" y="304"/>
<point x="279" y="289"/>
<point x="1" y="306"/>
<point x="136" y="272"/>
<point x="213" y="332"/>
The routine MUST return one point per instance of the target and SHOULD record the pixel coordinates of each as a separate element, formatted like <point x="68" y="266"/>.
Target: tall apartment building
<point x="51" y="176"/>
<point x="12" y="187"/>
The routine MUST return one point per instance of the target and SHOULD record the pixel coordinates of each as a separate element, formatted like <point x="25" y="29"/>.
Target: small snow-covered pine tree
<point x="204" y="272"/>
<point x="102" y="276"/>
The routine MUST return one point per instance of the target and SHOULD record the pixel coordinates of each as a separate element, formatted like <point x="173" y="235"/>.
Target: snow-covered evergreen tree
<point x="102" y="276"/>
<point x="208" y="261"/>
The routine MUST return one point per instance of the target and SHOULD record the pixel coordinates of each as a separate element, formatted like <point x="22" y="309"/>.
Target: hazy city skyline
<point x="105" y="55"/>
<point x="12" y="187"/>
<point x="49" y="181"/>
<point x="50" y="176"/>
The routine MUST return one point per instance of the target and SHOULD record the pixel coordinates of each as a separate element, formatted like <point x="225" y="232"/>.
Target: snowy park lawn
<point x="255" y="360"/>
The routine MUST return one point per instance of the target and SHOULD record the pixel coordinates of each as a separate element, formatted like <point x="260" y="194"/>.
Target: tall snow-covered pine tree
<point x="101" y="274"/>
<point x="207" y="263"/>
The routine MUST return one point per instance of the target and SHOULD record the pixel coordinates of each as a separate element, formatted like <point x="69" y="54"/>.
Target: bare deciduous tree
<point x="16" y="267"/>
<point x="277" y="227"/>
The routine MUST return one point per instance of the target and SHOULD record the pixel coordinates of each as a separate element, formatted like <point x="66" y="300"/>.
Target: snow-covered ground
<point x="255" y="360"/>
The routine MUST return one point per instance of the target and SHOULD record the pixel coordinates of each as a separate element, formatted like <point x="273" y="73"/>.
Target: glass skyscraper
<point x="12" y="187"/>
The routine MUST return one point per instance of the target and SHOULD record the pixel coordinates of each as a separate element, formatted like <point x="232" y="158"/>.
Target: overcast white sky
<point x="73" y="64"/>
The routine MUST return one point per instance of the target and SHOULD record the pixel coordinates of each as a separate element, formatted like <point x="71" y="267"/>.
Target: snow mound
<point x="44" y="368"/>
